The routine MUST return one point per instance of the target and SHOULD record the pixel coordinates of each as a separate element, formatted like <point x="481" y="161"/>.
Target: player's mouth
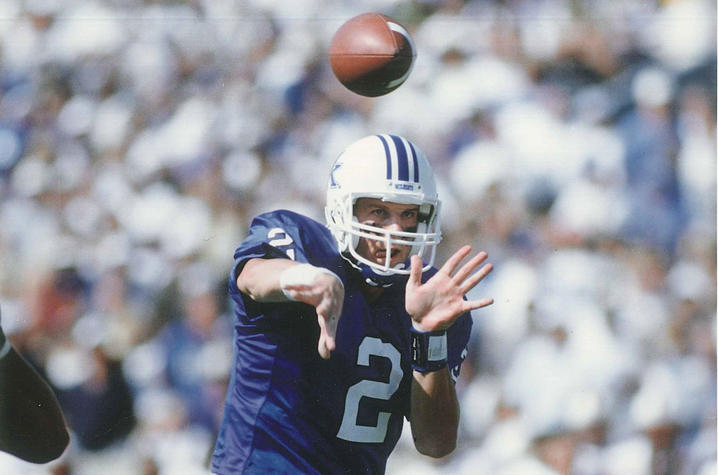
<point x="381" y="254"/>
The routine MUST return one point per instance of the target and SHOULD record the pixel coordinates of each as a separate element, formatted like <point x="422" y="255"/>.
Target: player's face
<point x="389" y="216"/>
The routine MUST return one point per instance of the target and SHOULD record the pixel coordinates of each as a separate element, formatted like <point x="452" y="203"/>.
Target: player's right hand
<point x="435" y="304"/>
<point x="326" y="294"/>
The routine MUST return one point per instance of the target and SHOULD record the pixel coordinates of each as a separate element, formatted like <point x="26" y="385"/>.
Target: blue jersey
<point x="288" y="410"/>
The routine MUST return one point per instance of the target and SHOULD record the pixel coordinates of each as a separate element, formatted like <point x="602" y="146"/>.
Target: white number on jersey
<point x="285" y="240"/>
<point x="350" y="430"/>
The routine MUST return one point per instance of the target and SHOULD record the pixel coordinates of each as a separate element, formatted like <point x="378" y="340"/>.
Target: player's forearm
<point x="260" y="279"/>
<point x="434" y="413"/>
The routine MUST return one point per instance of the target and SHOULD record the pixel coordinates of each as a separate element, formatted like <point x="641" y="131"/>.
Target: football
<point x="372" y="54"/>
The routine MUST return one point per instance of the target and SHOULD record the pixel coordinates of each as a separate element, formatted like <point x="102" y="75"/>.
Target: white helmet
<point x="390" y="168"/>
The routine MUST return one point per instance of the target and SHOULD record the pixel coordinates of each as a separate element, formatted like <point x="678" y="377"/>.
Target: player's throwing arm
<point x="276" y="280"/>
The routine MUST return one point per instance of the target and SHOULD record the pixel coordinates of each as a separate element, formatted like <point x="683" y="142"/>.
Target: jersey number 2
<point x="284" y="240"/>
<point x="350" y="430"/>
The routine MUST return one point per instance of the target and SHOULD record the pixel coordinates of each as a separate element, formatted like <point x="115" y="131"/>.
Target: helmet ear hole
<point x="426" y="211"/>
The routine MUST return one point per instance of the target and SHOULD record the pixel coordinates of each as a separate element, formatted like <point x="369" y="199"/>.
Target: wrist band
<point x="302" y="274"/>
<point x="428" y="350"/>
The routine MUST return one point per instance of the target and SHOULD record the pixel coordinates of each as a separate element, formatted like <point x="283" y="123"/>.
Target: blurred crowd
<point x="574" y="140"/>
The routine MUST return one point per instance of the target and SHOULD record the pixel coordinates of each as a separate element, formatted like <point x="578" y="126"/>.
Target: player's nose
<point x="393" y="224"/>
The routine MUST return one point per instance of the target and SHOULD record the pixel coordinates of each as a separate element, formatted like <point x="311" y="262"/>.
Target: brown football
<point x="372" y="54"/>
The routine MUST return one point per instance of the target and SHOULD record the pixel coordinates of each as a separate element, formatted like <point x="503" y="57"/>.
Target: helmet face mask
<point x="389" y="168"/>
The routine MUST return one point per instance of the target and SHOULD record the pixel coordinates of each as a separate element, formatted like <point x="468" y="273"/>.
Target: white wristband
<point x="302" y="274"/>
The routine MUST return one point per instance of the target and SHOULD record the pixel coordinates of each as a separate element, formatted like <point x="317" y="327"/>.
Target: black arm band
<point x="428" y="350"/>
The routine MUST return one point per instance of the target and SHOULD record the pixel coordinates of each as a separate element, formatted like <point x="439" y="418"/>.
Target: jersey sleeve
<point x="277" y="234"/>
<point x="271" y="235"/>
<point x="288" y="235"/>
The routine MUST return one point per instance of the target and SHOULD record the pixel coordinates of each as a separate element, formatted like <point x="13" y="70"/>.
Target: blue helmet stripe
<point x="416" y="161"/>
<point x="387" y="155"/>
<point x="402" y="159"/>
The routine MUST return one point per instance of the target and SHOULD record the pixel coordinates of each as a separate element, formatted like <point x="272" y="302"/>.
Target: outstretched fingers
<point x="475" y="304"/>
<point x="453" y="262"/>
<point x="477" y="277"/>
<point x="469" y="267"/>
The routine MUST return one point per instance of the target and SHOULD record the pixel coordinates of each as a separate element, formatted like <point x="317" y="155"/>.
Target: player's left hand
<point x="435" y="304"/>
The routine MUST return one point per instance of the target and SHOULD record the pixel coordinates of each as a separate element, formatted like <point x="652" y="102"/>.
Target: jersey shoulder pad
<point x="286" y="229"/>
<point x="292" y="222"/>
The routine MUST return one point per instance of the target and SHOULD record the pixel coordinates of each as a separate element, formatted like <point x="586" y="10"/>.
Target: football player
<point x="344" y="329"/>
<point x="32" y="426"/>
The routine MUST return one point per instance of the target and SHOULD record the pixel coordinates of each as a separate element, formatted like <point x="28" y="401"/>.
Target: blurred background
<point x="574" y="140"/>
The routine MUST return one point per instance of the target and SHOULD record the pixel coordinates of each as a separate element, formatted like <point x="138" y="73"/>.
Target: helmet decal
<point x="400" y="151"/>
<point x="332" y="180"/>
<point x="387" y="154"/>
